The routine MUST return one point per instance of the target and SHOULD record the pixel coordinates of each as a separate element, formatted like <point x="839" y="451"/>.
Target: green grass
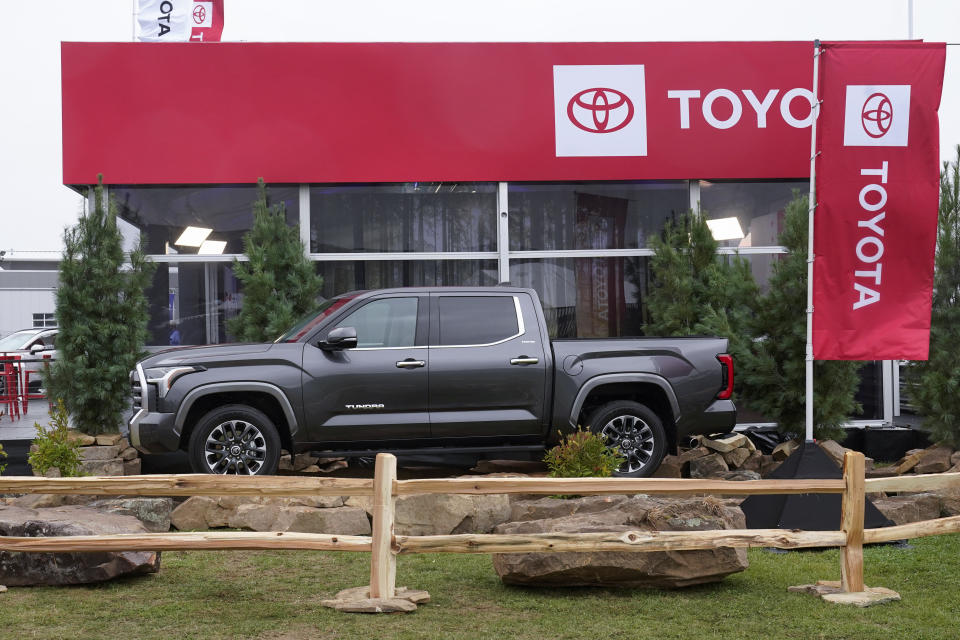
<point x="276" y="595"/>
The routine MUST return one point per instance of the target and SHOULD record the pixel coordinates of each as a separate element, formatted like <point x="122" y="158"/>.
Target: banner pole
<point x="812" y="200"/>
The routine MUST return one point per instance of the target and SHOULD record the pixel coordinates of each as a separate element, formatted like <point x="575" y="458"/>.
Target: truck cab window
<point x="476" y="320"/>
<point x="388" y="322"/>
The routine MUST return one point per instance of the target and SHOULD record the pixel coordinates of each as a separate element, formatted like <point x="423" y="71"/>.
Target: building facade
<point x="544" y="165"/>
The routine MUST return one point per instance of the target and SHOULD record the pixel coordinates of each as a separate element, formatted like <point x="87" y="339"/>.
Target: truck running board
<point x="426" y="451"/>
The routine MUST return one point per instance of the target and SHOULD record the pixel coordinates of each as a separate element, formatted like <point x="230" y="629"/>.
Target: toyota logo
<point x="199" y="14"/>
<point x="877" y="115"/>
<point x="600" y="110"/>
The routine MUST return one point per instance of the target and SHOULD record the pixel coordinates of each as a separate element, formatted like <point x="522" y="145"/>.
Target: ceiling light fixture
<point x="725" y="229"/>
<point x="193" y="236"/>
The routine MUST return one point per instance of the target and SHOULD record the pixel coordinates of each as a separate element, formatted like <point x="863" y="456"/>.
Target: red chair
<point x="26" y="396"/>
<point x="10" y="384"/>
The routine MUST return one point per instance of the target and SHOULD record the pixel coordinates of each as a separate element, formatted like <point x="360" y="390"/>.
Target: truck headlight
<point x="163" y="377"/>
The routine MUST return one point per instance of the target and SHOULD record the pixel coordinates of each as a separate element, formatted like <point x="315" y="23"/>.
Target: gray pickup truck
<point x="427" y="371"/>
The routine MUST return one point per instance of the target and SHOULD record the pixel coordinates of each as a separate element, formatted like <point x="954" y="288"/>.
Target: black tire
<point x="235" y="439"/>
<point x="635" y="430"/>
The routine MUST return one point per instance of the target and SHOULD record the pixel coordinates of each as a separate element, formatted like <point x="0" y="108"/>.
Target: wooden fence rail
<point x="384" y="545"/>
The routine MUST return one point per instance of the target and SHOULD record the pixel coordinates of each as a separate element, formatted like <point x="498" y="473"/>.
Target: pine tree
<point x="774" y="372"/>
<point x="696" y="291"/>
<point x="102" y="314"/>
<point x="279" y="283"/>
<point x="936" y="382"/>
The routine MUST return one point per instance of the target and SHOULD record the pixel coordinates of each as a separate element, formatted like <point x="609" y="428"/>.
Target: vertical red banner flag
<point x="877" y="190"/>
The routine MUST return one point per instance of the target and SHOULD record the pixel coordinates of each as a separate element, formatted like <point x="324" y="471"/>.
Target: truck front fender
<point x="234" y="387"/>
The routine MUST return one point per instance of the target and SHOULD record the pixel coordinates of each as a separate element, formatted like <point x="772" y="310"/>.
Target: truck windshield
<point x="309" y="321"/>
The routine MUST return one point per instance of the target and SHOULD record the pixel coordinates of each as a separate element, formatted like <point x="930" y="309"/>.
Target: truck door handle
<point x="410" y="363"/>
<point x="524" y="360"/>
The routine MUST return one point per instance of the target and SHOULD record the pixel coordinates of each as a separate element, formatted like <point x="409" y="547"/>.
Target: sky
<point x="39" y="207"/>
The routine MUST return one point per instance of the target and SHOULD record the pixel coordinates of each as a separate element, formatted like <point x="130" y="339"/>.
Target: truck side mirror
<point x="340" y="338"/>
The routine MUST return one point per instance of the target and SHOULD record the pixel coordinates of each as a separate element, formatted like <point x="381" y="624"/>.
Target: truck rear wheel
<point x="636" y="431"/>
<point x="237" y="440"/>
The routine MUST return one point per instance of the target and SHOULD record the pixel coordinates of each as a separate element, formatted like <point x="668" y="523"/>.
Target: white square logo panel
<point x="876" y="115"/>
<point x="600" y="110"/>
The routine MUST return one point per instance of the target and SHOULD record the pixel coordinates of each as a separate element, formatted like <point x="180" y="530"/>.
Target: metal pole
<point x="812" y="202"/>
<point x="909" y="19"/>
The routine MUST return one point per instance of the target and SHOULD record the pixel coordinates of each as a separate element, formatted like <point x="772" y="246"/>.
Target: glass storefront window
<point x="592" y="215"/>
<point x="587" y="297"/>
<point x="190" y="303"/>
<point x="413" y="216"/>
<point x="341" y="277"/>
<point x="750" y="214"/>
<point x="215" y="213"/>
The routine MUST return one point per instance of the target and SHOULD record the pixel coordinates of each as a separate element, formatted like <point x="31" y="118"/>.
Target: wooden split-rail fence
<point x="384" y="546"/>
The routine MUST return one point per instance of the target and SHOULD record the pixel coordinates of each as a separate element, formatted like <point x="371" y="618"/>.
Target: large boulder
<point x="660" y="569"/>
<point x="441" y="514"/>
<point x="264" y="514"/>
<point x="154" y="513"/>
<point x="904" y="509"/>
<point x="27" y="569"/>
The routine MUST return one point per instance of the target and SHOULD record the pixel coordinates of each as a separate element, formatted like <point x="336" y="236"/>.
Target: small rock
<point x="82" y="438"/>
<point x="311" y="469"/>
<point x="728" y="443"/>
<point x="783" y="450"/>
<point x="909" y="461"/>
<point x="132" y="467"/>
<point x="692" y="454"/>
<point x="2" y="588"/>
<point x="109" y="439"/>
<point x="285" y="464"/>
<point x="303" y="460"/>
<point x="129" y="454"/>
<point x="753" y="462"/>
<point x="708" y="466"/>
<point x="112" y="467"/>
<point x="955" y="458"/>
<point x="881" y="472"/>
<point x="934" y="460"/>
<point x="100" y="453"/>
<point x="768" y="465"/>
<point x="737" y="457"/>
<point x="670" y="467"/>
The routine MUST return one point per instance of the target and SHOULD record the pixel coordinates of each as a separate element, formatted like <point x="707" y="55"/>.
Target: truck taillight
<point x="726" y="381"/>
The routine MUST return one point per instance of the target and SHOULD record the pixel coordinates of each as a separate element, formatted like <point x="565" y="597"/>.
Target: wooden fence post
<point x="383" y="561"/>
<point x="854" y="497"/>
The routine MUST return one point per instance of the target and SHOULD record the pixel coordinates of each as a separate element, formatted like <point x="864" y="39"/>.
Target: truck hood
<point x="201" y="355"/>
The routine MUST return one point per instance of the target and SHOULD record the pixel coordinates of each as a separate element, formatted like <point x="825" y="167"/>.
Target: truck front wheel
<point x="235" y="439"/>
<point x="636" y="431"/>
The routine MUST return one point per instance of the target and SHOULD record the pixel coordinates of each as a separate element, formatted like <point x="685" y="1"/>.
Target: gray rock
<point x="710" y="466"/>
<point x="100" y="453"/>
<point x="345" y="521"/>
<point x="628" y="569"/>
<point x="27" y="569"/>
<point x="904" y="509"/>
<point x="740" y="475"/>
<point x="934" y="460"/>
<point x="545" y="508"/>
<point x="110" y="439"/>
<point x="440" y="514"/>
<point x="132" y="467"/>
<point x="112" y="467"/>
<point x="154" y="513"/>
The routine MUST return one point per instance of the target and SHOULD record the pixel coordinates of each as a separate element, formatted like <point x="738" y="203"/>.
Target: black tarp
<point x="807" y="511"/>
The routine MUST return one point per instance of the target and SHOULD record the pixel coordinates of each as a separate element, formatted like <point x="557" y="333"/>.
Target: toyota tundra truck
<point x="427" y="371"/>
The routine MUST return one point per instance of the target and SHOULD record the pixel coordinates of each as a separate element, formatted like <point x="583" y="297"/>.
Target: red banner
<point x="877" y="179"/>
<point x="397" y="112"/>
